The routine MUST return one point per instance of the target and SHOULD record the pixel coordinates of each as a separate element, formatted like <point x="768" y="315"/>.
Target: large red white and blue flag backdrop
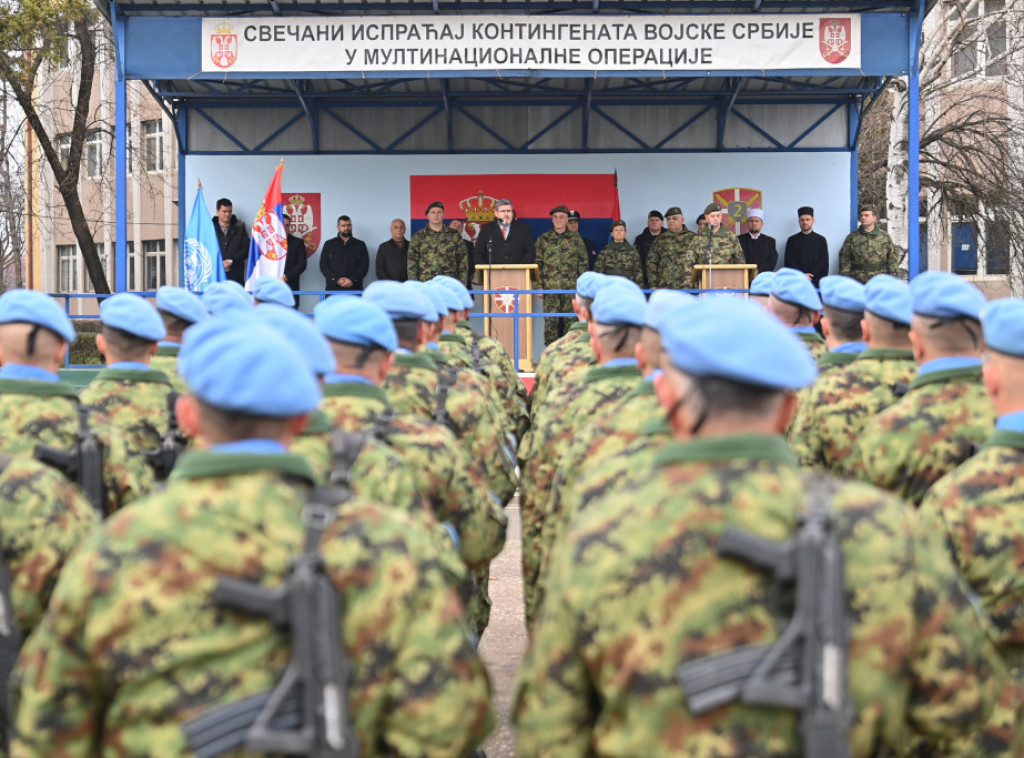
<point x="268" y="244"/>
<point x="473" y="197"/>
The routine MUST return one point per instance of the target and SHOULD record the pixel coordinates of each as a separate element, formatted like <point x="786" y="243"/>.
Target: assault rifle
<point x="82" y="464"/>
<point x="805" y="669"/>
<point x="172" y="443"/>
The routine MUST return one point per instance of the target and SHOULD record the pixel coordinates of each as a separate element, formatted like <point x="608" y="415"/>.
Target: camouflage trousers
<point x="478" y="607"/>
<point x="556" y="327"/>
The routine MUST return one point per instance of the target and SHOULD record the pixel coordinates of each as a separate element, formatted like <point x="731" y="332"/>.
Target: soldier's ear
<point x="865" y="328"/>
<point x="826" y="328"/>
<point x="101" y="344"/>
<point x="187" y="410"/>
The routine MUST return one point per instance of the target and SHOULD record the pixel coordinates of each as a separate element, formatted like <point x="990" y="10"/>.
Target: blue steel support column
<point x="183" y="209"/>
<point x="854" y="110"/>
<point x="914" y="145"/>
<point x="120" y="155"/>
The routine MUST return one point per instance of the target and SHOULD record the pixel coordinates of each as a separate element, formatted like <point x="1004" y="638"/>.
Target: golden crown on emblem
<point x="479" y="209"/>
<point x="296" y="200"/>
<point x="224" y="28"/>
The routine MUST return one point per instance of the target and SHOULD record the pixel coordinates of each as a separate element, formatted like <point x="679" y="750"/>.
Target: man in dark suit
<point x="295" y="262"/>
<point x="504" y="240"/>
<point x="807" y="250"/>
<point x="758" y="248"/>
<point x="344" y="260"/>
<point x="234" y="242"/>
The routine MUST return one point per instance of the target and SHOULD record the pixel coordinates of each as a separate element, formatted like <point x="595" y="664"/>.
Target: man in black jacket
<point x="807" y="250"/>
<point x="393" y="255"/>
<point x="234" y="242"/>
<point x="758" y="248"/>
<point x="295" y="263"/>
<point x="344" y="260"/>
<point x="592" y="247"/>
<point x="646" y="238"/>
<point x="504" y="240"/>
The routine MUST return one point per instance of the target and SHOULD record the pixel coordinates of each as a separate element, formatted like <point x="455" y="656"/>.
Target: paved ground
<point x="504" y="641"/>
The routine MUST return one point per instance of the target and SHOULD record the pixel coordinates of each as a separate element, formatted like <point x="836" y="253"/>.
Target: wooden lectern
<point x="510" y="276"/>
<point x="725" y="276"/>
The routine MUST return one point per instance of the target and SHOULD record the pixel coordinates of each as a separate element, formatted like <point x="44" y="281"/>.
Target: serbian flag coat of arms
<point x="268" y="243"/>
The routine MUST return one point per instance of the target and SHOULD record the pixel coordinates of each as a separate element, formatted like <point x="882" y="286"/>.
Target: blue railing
<point x="322" y="295"/>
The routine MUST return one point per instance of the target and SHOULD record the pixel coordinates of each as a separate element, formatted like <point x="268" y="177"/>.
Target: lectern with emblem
<point x="510" y="277"/>
<point x="724" y="276"/>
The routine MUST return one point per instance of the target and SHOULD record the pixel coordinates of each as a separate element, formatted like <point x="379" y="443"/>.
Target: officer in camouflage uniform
<point x="715" y="245"/>
<point x="436" y="249"/>
<point x="619" y="258"/>
<point x="668" y="250"/>
<point x="105" y="672"/>
<point x="38" y="408"/>
<point x="412" y="385"/>
<point x="638" y="587"/>
<point x="842" y="300"/>
<point x="618" y="312"/>
<point x="796" y="304"/>
<point x="868" y="251"/>
<point x="936" y="425"/>
<point x="179" y="309"/>
<point x="843" y="402"/>
<point x="977" y="508"/>
<point x="128" y="394"/>
<point x="561" y="258"/>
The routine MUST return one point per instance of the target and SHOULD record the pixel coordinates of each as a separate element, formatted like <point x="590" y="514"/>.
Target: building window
<point x="997" y="248"/>
<point x="153" y="132"/>
<point x="154" y="265"/>
<point x="94" y="154"/>
<point x="979" y="46"/>
<point x="130" y="253"/>
<point x="63" y="146"/>
<point x="129" y="149"/>
<point x="87" y="282"/>
<point x="67" y="268"/>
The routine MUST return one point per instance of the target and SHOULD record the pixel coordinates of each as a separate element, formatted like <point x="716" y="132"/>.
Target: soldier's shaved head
<point x="940" y="338"/>
<point x="118" y="345"/>
<point x="1004" y="381"/>
<point x="613" y="341"/>
<point x="648" y="350"/>
<point x="791" y="315"/>
<point x="31" y="345"/>
<point x="844" y="326"/>
<point x="369" y="361"/>
<point x="882" y="333"/>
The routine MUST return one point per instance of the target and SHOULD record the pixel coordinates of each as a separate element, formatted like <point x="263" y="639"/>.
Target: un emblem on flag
<point x="198" y="266"/>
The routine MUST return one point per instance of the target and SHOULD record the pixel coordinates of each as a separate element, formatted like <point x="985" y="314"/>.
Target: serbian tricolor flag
<point x="268" y="243"/>
<point x="473" y="197"/>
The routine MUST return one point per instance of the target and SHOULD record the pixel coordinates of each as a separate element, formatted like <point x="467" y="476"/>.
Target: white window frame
<point x="985" y="21"/>
<point x="67" y="255"/>
<point x="94" y="153"/>
<point x="154" y="253"/>
<point x="153" y="145"/>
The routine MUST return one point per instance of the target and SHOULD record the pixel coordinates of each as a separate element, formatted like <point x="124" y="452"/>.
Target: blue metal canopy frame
<point x="891" y="39"/>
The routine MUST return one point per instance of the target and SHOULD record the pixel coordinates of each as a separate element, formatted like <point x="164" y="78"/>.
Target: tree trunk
<point x="898" y="204"/>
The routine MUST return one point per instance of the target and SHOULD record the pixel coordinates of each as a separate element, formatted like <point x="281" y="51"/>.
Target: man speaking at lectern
<point x="504" y="240"/>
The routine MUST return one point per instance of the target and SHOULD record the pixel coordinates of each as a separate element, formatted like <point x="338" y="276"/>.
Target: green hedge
<point x="84" y="350"/>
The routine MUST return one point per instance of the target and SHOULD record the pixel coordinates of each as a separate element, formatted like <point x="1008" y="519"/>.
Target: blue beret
<point x="357" y="321"/>
<point x="762" y="284"/>
<point x="453" y="284"/>
<point x="451" y="300"/>
<point x="229" y="367"/>
<point x="663" y="302"/>
<point x="270" y="289"/>
<point x="300" y="331"/>
<point x="889" y="298"/>
<point x="940" y="294"/>
<point x="793" y="287"/>
<point x="399" y="301"/>
<point x="132" y="314"/>
<point x="586" y="284"/>
<point x="31" y="307"/>
<point x="436" y="294"/>
<point x="619" y="304"/>
<point x="1003" y="322"/>
<point x="735" y="339"/>
<point x="226" y="296"/>
<point x="181" y="303"/>
<point x="843" y="293"/>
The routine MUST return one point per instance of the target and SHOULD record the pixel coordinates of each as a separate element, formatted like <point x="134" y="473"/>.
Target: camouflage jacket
<point x="927" y="434"/>
<point x="134" y="402"/>
<point x="638" y="589"/>
<point x="665" y="258"/>
<point x="46" y="413"/>
<point x="166" y="360"/>
<point x="455" y="486"/>
<point x="458" y="348"/>
<point x="620" y="259"/>
<point x="719" y="248"/>
<point x="106" y="673"/>
<point x="815" y="343"/>
<point x="570" y="348"/>
<point x="432" y="253"/>
<point x="975" y="508"/>
<point x="561" y="258"/>
<point x="841" y="403"/>
<point x="43" y="518"/>
<point x="832" y="360"/>
<point x="865" y="254"/>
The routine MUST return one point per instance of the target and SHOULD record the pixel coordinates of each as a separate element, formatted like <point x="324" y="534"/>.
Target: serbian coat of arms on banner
<point x="479" y="210"/>
<point x="735" y="203"/>
<point x="224" y="46"/>
<point x="834" y="39"/>
<point x="304" y="208"/>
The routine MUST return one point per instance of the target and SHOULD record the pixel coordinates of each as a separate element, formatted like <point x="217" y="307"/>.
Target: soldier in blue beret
<point x="795" y="303"/>
<point x="842" y="300"/>
<point x="38" y="408"/>
<point x="761" y="287"/>
<point x="179" y="309"/>
<point x="128" y="395"/>
<point x="270" y="289"/>
<point x="224" y="296"/>
<point x="243" y="506"/>
<point x="945" y="412"/>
